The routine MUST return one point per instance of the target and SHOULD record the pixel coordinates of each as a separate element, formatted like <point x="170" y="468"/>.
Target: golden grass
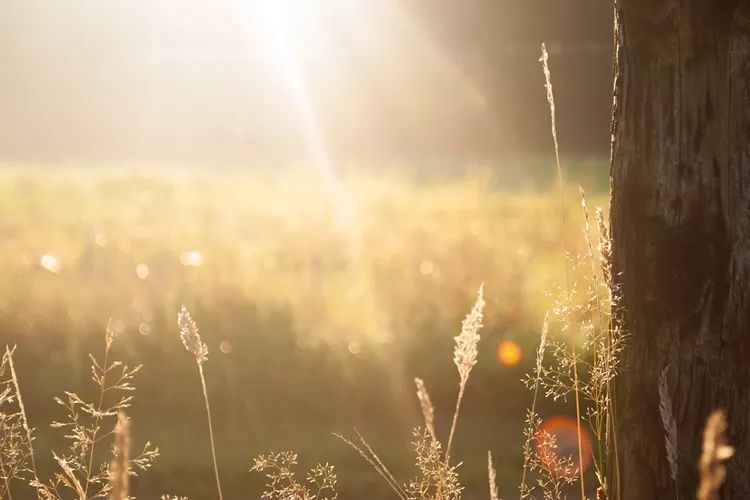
<point x="191" y="339"/>
<point x="85" y="426"/>
<point x="492" y="478"/>
<point x="561" y="184"/>
<point x="422" y="233"/>
<point x="716" y="451"/>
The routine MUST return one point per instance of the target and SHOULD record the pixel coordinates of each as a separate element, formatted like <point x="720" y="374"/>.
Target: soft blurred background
<point x="324" y="184"/>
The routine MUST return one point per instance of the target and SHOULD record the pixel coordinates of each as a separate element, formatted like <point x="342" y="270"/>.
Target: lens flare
<point x="509" y="353"/>
<point x="564" y="429"/>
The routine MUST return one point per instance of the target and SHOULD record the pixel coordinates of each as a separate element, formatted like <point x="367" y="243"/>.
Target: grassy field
<point x="319" y="303"/>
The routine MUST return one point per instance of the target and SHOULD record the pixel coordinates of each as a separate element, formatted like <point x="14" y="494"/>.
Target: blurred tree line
<point x="497" y="42"/>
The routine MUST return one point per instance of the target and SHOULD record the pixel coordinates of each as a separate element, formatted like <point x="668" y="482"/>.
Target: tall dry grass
<point x="437" y="477"/>
<point x="561" y="186"/>
<point x="191" y="339"/>
<point x="716" y="451"/>
<point x="492" y="478"/>
<point x="282" y="484"/>
<point x="82" y="473"/>
<point x="546" y="472"/>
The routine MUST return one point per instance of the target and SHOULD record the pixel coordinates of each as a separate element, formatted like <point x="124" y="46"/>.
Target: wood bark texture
<point x="681" y="234"/>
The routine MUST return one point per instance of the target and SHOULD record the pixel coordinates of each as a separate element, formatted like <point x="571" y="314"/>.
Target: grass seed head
<point x="428" y="411"/>
<point x="670" y="425"/>
<point x="190" y="336"/>
<point x="716" y="451"/>
<point x="465" y="352"/>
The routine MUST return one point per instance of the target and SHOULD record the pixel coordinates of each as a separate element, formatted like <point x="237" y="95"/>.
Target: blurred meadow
<point x="318" y="312"/>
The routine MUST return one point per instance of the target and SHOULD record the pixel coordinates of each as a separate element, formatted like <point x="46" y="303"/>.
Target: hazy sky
<point x="241" y="81"/>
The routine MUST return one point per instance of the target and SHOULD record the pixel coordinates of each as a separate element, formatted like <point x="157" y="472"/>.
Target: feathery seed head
<point x="542" y="345"/>
<point x="715" y="451"/>
<point x="492" y="476"/>
<point x="190" y="336"/>
<point x="109" y="334"/>
<point x="465" y="352"/>
<point x="669" y="423"/>
<point x="428" y="411"/>
<point x="605" y="249"/>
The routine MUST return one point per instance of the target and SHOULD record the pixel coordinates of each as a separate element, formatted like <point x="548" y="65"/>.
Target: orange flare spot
<point x="509" y="353"/>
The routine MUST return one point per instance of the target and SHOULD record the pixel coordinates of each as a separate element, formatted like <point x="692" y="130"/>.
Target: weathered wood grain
<point x="681" y="233"/>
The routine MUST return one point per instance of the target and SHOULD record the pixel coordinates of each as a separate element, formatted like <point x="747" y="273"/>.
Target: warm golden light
<point x="509" y="353"/>
<point x="287" y="207"/>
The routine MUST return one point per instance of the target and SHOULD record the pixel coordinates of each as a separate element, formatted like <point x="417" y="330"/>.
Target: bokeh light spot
<point x="192" y="258"/>
<point x="565" y="431"/>
<point x="50" y="263"/>
<point x="142" y="271"/>
<point x="225" y="346"/>
<point x="509" y="353"/>
<point x="427" y="267"/>
<point x="101" y="239"/>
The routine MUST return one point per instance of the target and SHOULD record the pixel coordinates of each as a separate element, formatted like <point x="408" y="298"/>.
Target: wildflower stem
<point x="210" y="428"/>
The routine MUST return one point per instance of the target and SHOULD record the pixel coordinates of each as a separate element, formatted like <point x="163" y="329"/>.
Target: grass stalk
<point x="461" y="389"/>
<point x="98" y="414"/>
<point x="6" y="479"/>
<point x="537" y="383"/>
<point x="603" y="410"/>
<point x="716" y="451"/>
<point x="561" y="187"/>
<point x="578" y="426"/>
<point x="210" y="429"/>
<point x="492" y="478"/>
<point x="191" y="339"/>
<point x="24" y="419"/>
<point x="465" y="357"/>
<point x="374" y="461"/>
